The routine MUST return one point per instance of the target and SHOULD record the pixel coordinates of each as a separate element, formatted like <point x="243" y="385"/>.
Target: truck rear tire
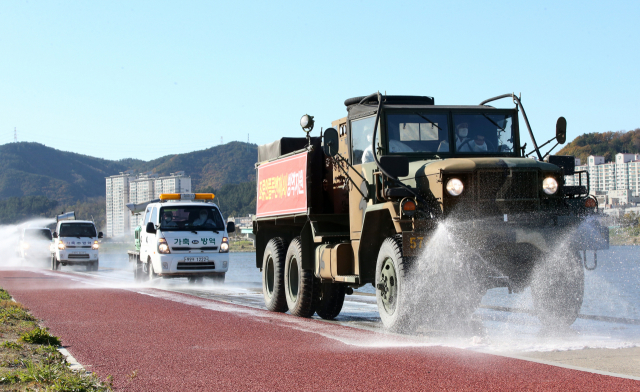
<point x="138" y="272"/>
<point x="195" y="280"/>
<point x="330" y="298"/>
<point x="218" y="279"/>
<point x="391" y="294"/>
<point x="273" y="275"/>
<point x="557" y="288"/>
<point x="298" y="282"/>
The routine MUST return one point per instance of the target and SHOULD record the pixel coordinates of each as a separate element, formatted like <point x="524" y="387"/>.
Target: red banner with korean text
<point x="282" y="186"/>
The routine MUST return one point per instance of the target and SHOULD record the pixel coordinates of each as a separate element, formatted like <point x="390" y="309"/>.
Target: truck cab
<point x="182" y="235"/>
<point x="75" y="243"/>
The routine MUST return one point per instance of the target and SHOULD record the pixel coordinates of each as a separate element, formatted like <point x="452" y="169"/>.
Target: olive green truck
<point x="368" y="202"/>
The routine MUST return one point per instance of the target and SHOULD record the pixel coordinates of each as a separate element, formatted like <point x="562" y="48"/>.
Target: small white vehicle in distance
<point x="75" y="243"/>
<point x="34" y="244"/>
<point x="182" y="236"/>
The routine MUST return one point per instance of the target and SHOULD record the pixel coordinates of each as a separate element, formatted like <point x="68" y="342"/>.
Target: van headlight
<point x="550" y="185"/>
<point x="25" y="245"/>
<point x="455" y="187"/>
<point x="224" y="246"/>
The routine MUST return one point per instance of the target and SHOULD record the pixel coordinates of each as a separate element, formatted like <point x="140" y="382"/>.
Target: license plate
<point x="195" y="259"/>
<point x="79" y="253"/>
<point x="413" y="243"/>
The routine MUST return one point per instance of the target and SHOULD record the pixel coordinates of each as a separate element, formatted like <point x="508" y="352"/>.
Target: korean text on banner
<point x="282" y="186"/>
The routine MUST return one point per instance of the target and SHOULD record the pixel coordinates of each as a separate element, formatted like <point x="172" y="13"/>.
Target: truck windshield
<point x="77" y="230"/>
<point x="483" y="133"/>
<point x="38" y="234"/>
<point x="190" y="218"/>
<point x="418" y="132"/>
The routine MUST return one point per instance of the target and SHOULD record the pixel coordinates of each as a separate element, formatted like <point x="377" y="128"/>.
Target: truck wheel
<point x="391" y="275"/>
<point x="55" y="264"/>
<point x="152" y="274"/>
<point x="273" y="275"/>
<point x="142" y="271"/>
<point x="330" y="298"/>
<point x="298" y="282"/>
<point x="557" y="289"/>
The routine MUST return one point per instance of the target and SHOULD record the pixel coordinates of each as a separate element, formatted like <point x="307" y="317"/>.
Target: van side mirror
<point x="330" y="142"/>
<point x="231" y="227"/>
<point x="100" y="235"/>
<point x="561" y="130"/>
<point x="151" y="228"/>
<point x="55" y="235"/>
<point x="397" y="166"/>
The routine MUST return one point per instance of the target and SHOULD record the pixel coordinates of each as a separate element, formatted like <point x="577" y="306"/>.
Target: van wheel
<point x="557" y="288"/>
<point x="273" y="275"/>
<point x="330" y="298"/>
<point x="298" y="282"/>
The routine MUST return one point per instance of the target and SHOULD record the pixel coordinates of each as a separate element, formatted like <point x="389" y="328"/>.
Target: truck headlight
<point x="550" y="185"/>
<point x="224" y="246"/>
<point x="455" y="187"/>
<point x="95" y="245"/>
<point x="61" y="245"/>
<point x="163" y="247"/>
<point x="25" y="245"/>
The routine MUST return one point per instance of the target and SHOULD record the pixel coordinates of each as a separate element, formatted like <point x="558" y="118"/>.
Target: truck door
<point x="144" y="236"/>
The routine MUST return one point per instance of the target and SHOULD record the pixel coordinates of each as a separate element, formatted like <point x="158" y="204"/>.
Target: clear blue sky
<point x="143" y="79"/>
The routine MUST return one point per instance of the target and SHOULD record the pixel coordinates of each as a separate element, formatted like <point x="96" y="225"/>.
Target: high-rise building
<point x="622" y="174"/>
<point x="117" y="198"/>
<point x="126" y="188"/>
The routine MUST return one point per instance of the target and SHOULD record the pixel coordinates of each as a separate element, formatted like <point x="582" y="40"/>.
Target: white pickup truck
<point x="75" y="243"/>
<point x="182" y="236"/>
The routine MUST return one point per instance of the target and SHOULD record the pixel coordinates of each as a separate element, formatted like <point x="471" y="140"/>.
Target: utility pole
<point x="15" y="135"/>
<point x="247" y="142"/>
<point x="220" y="140"/>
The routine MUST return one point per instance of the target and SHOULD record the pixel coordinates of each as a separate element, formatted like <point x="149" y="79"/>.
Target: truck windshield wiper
<point x="493" y="122"/>
<point x="194" y="232"/>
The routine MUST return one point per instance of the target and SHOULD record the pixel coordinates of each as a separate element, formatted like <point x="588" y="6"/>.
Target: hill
<point x="606" y="144"/>
<point x="36" y="180"/>
<point x="32" y="169"/>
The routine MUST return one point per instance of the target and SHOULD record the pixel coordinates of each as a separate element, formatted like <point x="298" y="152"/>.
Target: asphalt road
<point x="149" y="340"/>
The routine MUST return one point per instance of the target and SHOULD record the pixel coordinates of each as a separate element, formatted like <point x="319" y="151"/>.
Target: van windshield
<point x="77" y="230"/>
<point x="190" y="218"/>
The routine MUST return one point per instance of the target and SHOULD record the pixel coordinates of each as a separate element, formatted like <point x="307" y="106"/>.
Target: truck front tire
<point x="152" y="274"/>
<point x="557" y="288"/>
<point x="273" y="275"/>
<point x="298" y="282"/>
<point x="55" y="264"/>
<point x="391" y="277"/>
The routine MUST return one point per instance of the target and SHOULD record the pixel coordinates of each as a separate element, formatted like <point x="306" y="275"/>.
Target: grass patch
<point x="624" y="236"/>
<point x="40" y="336"/>
<point x="242" y="246"/>
<point x="29" y="358"/>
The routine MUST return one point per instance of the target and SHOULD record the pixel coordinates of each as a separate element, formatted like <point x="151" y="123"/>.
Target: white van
<point x="76" y="243"/>
<point x="35" y="243"/>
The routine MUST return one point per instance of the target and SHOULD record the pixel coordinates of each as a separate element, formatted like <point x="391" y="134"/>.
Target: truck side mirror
<point x="55" y="235"/>
<point x="330" y="142"/>
<point x="151" y="228"/>
<point x="561" y="130"/>
<point x="396" y="166"/>
<point x="231" y="227"/>
<point x="100" y="235"/>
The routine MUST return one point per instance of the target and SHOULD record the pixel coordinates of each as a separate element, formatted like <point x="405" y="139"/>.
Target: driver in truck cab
<point x="167" y="220"/>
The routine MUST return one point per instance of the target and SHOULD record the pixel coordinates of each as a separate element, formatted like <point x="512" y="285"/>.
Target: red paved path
<point x="175" y="346"/>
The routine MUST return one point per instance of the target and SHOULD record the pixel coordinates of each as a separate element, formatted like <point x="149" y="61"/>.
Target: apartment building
<point x="117" y="197"/>
<point x="128" y="188"/>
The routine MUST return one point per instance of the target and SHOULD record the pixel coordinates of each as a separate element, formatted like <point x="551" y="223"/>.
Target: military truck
<point x="366" y="201"/>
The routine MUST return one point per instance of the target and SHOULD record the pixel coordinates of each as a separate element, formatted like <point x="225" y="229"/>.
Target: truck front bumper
<point x="579" y="233"/>
<point x="70" y="257"/>
<point x="202" y="264"/>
